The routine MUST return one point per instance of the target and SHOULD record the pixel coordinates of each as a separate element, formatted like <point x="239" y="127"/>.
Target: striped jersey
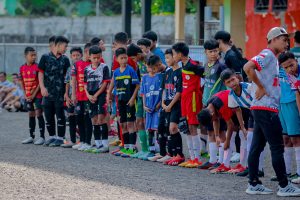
<point x="243" y="100"/>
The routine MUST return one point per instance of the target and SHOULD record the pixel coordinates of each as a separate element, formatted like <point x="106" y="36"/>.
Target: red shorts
<point x="191" y="104"/>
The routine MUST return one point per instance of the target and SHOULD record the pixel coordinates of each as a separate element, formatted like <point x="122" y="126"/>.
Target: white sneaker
<point x="28" y="141"/>
<point x="165" y="158"/>
<point x="39" y="141"/>
<point x="289" y="191"/>
<point x="104" y="150"/>
<point x="258" y="189"/>
<point x="296" y="180"/>
<point x="155" y="158"/>
<point x="77" y="146"/>
<point x="235" y="158"/>
<point x="84" y="147"/>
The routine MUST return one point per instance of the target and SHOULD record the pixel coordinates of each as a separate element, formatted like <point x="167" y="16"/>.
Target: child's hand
<point x="44" y="92"/>
<point x="68" y="101"/>
<point x="167" y="109"/>
<point x="74" y="99"/>
<point x="218" y="140"/>
<point x="147" y="109"/>
<point x="131" y="102"/>
<point x="260" y="92"/>
<point x="157" y="107"/>
<point x="244" y="132"/>
<point x="108" y="99"/>
<point x="29" y="99"/>
<point x="94" y="98"/>
<point x="164" y="106"/>
<point x="90" y="97"/>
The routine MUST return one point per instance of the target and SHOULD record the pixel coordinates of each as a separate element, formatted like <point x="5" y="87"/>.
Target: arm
<point x="176" y="98"/>
<point x="101" y="90"/>
<point x="132" y="99"/>
<point x="144" y="103"/>
<point x="90" y="97"/>
<point x="73" y="85"/>
<point x="67" y="98"/>
<point x="42" y="86"/>
<point x="109" y="91"/>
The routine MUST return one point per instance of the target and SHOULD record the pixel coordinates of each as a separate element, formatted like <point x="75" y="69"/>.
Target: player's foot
<point x="115" y="151"/>
<point x="155" y="157"/>
<point x="77" y="146"/>
<point x="235" y="157"/>
<point x="205" y="155"/>
<point x="164" y="159"/>
<point x="51" y="140"/>
<point x="68" y="145"/>
<point x="185" y="163"/>
<point x="176" y="161"/>
<point x="120" y="152"/>
<point x="128" y="153"/>
<point x="146" y="156"/>
<point x="194" y="164"/>
<point x="84" y="147"/>
<point x="91" y="149"/>
<point x="206" y="165"/>
<point x="115" y="143"/>
<point x="220" y="170"/>
<point x="237" y="169"/>
<point x="296" y="180"/>
<point x="56" y="143"/>
<point x="289" y="191"/>
<point x="258" y="189"/>
<point x="216" y="165"/>
<point x="136" y="155"/>
<point x="39" y="141"/>
<point x="28" y="141"/>
<point x="243" y="173"/>
<point x="103" y="150"/>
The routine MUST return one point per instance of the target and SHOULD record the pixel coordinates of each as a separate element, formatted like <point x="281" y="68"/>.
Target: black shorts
<point x="127" y="113"/>
<point x="99" y="107"/>
<point x="82" y="108"/>
<point x="173" y="116"/>
<point x="223" y="126"/>
<point x="71" y="109"/>
<point x="33" y="105"/>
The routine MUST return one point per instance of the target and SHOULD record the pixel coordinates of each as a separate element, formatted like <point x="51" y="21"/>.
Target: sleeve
<point x="67" y="65"/>
<point x="135" y="79"/>
<point x="73" y="70"/>
<point x="197" y="69"/>
<point x="179" y="82"/>
<point x="42" y="64"/>
<point x="106" y="76"/>
<point x="262" y="60"/>
<point x="232" y="102"/>
<point x="85" y="76"/>
<point x="68" y="76"/>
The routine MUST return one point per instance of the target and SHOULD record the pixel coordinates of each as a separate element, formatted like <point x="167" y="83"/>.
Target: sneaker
<point x="296" y="180"/>
<point x="258" y="189"/>
<point x="128" y="153"/>
<point x="137" y="154"/>
<point x="49" y="141"/>
<point x="169" y="160"/>
<point x="68" y="145"/>
<point x="155" y="158"/>
<point x="235" y="157"/>
<point x="115" y="143"/>
<point x="220" y="170"/>
<point x="163" y="159"/>
<point x="120" y="152"/>
<point x="237" y="169"/>
<point x="84" y="147"/>
<point x="90" y="149"/>
<point x="176" y="161"/>
<point x="28" y="141"/>
<point x="194" y="164"/>
<point x="104" y="150"/>
<point x="77" y="146"/>
<point x="39" y="141"/>
<point x="56" y="143"/>
<point x="206" y="165"/>
<point x="289" y="191"/>
<point x="205" y="155"/>
<point x="143" y="154"/>
<point x="293" y="176"/>
<point x="289" y="176"/>
<point x="216" y="165"/>
<point x="185" y="163"/>
<point x="146" y="156"/>
<point x="244" y="173"/>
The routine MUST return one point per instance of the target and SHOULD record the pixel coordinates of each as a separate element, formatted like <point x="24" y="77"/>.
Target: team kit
<point x="228" y="107"/>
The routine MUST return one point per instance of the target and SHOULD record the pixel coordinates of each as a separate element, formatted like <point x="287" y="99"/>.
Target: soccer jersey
<point x="78" y="72"/>
<point x="287" y="82"/>
<point x="173" y="84"/>
<point x="125" y="83"/>
<point x="150" y="88"/>
<point x="54" y="70"/>
<point x="191" y="73"/>
<point x="29" y="77"/>
<point x="243" y="100"/>
<point x="220" y="103"/>
<point x="94" y="77"/>
<point x="267" y="71"/>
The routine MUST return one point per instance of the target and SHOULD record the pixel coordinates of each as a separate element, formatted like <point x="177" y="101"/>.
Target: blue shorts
<point x="152" y="120"/>
<point x="290" y="119"/>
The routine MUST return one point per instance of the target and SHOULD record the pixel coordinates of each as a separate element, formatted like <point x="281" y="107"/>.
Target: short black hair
<point x="52" y="39"/>
<point x="133" y="50"/>
<point x="28" y="49"/>
<point x="144" y="41"/>
<point x="74" y="49"/>
<point x="204" y="117"/>
<point x="153" y="60"/>
<point x="87" y="45"/>
<point x="95" y="41"/>
<point x="297" y="37"/>
<point x="95" y="50"/>
<point x="4" y="73"/>
<point x="15" y="74"/>
<point x="223" y="35"/>
<point x="151" y="35"/>
<point x="121" y="37"/>
<point x="285" y="56"/>
<point x="211" y="44"/>
<point x="169" y="51"/>
<point x="226" y="74"/>
<point x="181" y="47"/>
<point x="120" y="51"/>
<point x="61" y="39"/>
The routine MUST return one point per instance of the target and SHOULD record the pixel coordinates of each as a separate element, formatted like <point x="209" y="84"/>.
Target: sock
<point x="104" y="131"/>
<point x="98" y="143"/>
<point x="97" y="132"/>
<point x="105" y="143"/>
<point x="262" y="161"/>
<point x="162" y="140"/>
<point x="227" y="156"/>
<point x="60" y="138"/>
<point x="232" y="141"/>
<point x="221" y="153"/>
<point x="132" y="138"/>
<point x="42" y="126"/>
<point x="81" y="126"/>
<point x="32" y="126"/>
<point x="143" y="140"/>
<point x="89" y="129"/>
<point x="170" y="144"/>
<point x="126" y="140"/>
<point x="178" y="144"/>
<point x="203" y="143"/>
<point x="243" y="149"/>
<point x="288" y="153"/>
<point x="196" y="145"/>
<point x="213" y="152"/>
<point x="189" y="141"/>
<point x="297" y="154"/>
<point x="151" y="141"/>
<point x="72" y="128"/>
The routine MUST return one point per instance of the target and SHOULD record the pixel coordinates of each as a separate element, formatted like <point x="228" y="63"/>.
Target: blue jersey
<point x="150" y="88"/>
<point x="287" y="94"/>
<point x="243" y="100"/>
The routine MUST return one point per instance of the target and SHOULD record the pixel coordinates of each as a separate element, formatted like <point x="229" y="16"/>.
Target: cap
<point x="275" y="32"/>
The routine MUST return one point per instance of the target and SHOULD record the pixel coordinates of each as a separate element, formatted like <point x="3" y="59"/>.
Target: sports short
<point x="99" y="107"/>
<point x="174" y="115"/>
<point x="81" y="107"/>
<point x="127" y="113"/>
<point x="152" y="120"/>
<point x="140" y="112"/>
<point x="289" y="118"/>
<point x="33" y="105"/>
<point x="191" y="104"/>
<point x="223" y="126"/>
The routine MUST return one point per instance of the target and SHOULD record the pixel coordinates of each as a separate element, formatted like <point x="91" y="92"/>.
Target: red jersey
<point x="29" y="77"/>
<point x="78" y="72"/>
<point x="191" y="74"/>
<point x="116" y="65"/>
<point x="220" y="102"/>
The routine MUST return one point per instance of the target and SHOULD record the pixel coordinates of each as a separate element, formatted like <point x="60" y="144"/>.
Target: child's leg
<point x="288" y="153"/>
<point x="203" y="139"/>
<point x="162" y="134"/>
<point x="97" y="131"/>
<point x="243" y="149"/>
<point x="32" y="123"/>
<point x="213" y="149"/>
<point x="151" y="141"/>
<point x="72" y="127"/>
<point x="196" y="141"/>
<point x="103" y="129"/>
<point x="142" y="133"/>
<point x="41" y="121"/>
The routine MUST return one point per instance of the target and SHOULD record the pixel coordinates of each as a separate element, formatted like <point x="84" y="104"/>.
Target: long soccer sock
<point x="243" y="149"/>
<point x="203" y="143"/>
<point x="262" y="161"/>
<point x="41" y="122"/>
<point x="221" y="153"/>
<point x="143" y="140"/>
<point x="97" y="135"/>
<point x="72" y="128"/>
<point x="88" y="128"/>
<point x="178" y="144"/>
<point x="126" y="140"/>
<point x="32" y="126"/>
<point x="227" y="156"/>
<point x="213" y="152"/>
<point x="81" y="125"/>
<point x="104" y="134"/>
<point x="132" y="140"/>
<point x="297" y="152"/>
<point x="232" y="141"/>
<point x="162" y="139"/>
<point x="151" y="141"/>
<point x="288" y="154"/>
<point x="189" y="141"/>
<point x="196" y="145"/>
<point x="171" y="148"/>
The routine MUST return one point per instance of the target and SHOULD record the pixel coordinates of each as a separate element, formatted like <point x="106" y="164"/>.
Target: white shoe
<point x="235" y="158"/>
<point x="258" y="189"/>
<point x="289" y="191"/>
<point x="155" y="158"/>
<point x="85" y="147"/>
<point x="296" y="180"/>
<point x="77" y="146"/>
<point x="39" y="141"/>
<point x="28" y="141"/>
<point x="163" y="159"/>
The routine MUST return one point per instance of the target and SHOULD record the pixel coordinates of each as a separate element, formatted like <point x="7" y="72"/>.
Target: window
<point x="261" y="5"/>
<point x="279" y="5"/>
